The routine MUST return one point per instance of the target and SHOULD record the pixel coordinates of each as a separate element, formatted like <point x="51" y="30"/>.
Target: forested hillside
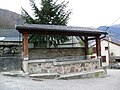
<point x="8" y="19"/>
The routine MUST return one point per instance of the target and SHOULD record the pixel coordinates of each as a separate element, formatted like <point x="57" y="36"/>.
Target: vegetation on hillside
<point x="8" y="19"/>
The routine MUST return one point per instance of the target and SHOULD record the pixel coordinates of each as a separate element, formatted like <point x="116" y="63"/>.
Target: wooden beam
<point x="25" y="45"/>
<point x="91" y="38"/>
<point x="82" y="39"/>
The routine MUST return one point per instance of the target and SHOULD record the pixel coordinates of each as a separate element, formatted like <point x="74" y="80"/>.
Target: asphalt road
<point x="111" y="82"/>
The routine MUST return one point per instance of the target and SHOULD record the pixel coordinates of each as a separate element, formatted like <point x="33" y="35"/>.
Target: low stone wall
<point x="40" y="53"/>
<point x="61" y="67"/>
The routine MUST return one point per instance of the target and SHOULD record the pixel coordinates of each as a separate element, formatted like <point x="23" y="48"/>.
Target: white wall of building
<point x="114" y="48"/>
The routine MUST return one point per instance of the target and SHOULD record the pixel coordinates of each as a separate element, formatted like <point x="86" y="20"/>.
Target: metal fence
<point x="10" y="62"/>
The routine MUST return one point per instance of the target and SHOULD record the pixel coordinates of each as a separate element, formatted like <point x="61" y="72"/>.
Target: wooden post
<point x="86" y="46"/>
<point x="98" y="49"/>
<point x="25" y="45"/>
<point x="25" y="52"/>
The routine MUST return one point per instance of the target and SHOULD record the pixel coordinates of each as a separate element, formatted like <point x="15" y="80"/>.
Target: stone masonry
<point x="53" y="66"/>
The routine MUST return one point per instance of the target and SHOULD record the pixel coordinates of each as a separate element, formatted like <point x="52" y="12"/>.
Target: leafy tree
<point x="50" y="13"/>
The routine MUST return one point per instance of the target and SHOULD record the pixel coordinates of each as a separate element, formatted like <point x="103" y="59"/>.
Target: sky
<point x="85" y="13"/>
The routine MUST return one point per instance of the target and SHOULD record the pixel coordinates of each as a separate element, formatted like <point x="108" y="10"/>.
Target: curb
<point x="15" y="74"/>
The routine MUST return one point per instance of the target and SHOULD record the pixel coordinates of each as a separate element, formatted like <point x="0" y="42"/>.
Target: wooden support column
<point x="86" y="46"/>
<point x="25" y="45"/>
<point x="98" y="49"/>
<point x="25" y="52"/>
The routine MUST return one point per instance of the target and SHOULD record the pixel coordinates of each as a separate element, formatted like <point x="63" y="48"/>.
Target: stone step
<point x="79" y="75"/>
<point x="45" y="75"/>
<point x="82" y="75"/>
<point x="15" y="74"/>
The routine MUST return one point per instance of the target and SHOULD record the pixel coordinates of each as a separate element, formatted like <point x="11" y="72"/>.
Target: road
<point x="110" y="82"/>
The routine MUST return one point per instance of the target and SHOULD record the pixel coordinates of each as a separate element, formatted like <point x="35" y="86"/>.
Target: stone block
<point x="82" y="75"/>
<point x="45" y="75"/>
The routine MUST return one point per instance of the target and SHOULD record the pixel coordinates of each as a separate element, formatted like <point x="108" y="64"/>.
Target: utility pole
<point x="108" y="51"/>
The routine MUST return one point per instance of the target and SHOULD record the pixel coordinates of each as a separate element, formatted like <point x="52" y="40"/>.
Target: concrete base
<point x="25" y="66"/>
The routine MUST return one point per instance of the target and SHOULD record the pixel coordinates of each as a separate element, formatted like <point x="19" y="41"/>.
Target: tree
<point x="49" y="13"/>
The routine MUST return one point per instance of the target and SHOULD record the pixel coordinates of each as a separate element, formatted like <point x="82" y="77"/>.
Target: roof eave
<point x="66" y="30"/>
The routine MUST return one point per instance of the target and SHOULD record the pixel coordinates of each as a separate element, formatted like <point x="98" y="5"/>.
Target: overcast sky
<point x="87" y="13"/>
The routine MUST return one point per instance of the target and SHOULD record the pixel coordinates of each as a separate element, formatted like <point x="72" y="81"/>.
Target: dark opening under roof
<point x="58" y="30"/>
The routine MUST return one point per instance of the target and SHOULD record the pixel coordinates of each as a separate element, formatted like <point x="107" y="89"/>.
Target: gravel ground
<point x="111" y="82"/>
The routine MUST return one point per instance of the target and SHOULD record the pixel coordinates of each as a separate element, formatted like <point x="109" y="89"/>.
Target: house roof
<point x="9" y="35"/>
<point x="58" y="30"/>
<point x="113" y="40"/>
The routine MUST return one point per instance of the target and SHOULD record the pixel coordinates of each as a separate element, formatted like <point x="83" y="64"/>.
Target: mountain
<point x="114" y="32"/>
<point x="8" y="19"/>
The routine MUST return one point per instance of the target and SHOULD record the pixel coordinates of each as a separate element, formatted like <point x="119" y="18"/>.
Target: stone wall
<point x="63" y="67"/>
<point x="10" y="62"/>
<point x="10" y="56"/>
<point x="37" y="53"/>
<point x="10" y="47"/>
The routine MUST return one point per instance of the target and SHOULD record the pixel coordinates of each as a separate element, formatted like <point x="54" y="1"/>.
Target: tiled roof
<point x="9" y="35"/>
<point x="57" y="29"/>
<point x="113" y="40"/>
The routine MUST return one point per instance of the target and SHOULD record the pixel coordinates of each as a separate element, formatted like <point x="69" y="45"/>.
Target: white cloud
<point x="91" y="13"/>
<point x="94" y="12"/>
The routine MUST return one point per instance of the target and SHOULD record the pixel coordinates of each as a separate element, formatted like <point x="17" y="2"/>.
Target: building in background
<point x="110" y="51"/>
